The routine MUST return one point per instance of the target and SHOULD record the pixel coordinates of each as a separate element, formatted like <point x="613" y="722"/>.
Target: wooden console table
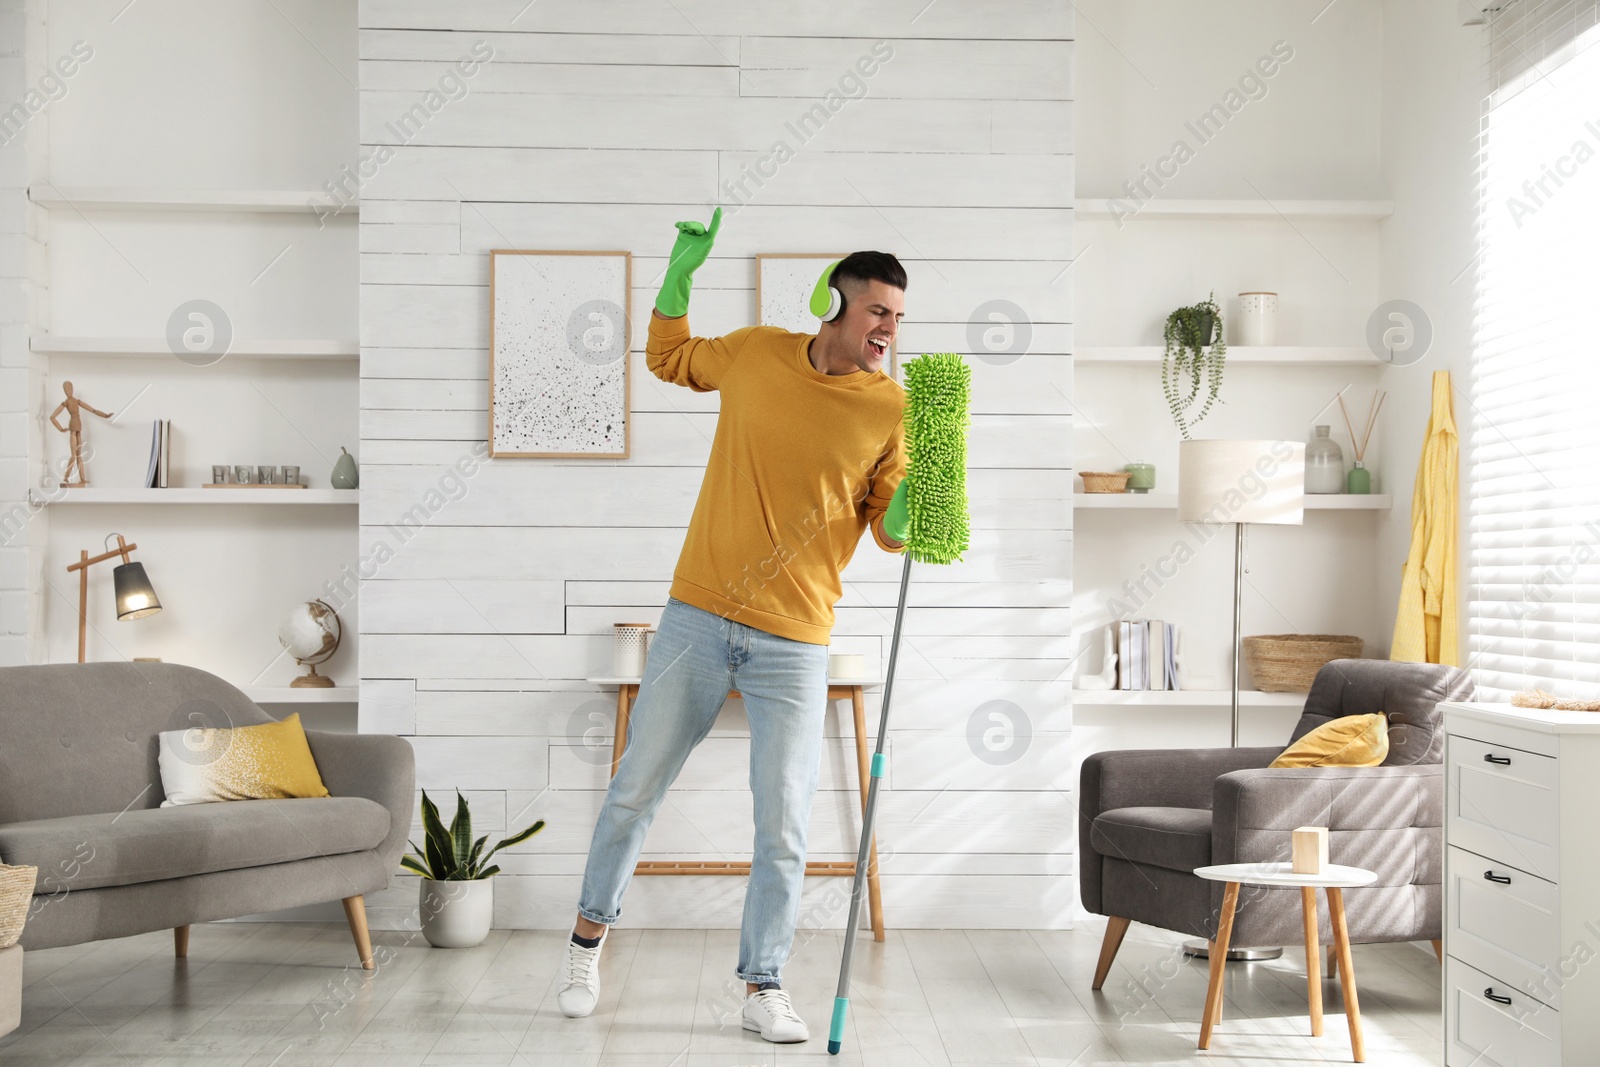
<point x="852" y="689"/>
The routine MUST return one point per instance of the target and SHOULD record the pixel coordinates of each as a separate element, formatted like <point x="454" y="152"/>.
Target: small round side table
<point x="1333" y="880"/>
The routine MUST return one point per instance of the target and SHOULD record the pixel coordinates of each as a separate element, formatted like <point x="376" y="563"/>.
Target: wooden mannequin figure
<point x="74" y="431"/>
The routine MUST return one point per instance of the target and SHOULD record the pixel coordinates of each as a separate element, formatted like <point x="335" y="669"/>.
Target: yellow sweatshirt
<point x="801" y="464"/>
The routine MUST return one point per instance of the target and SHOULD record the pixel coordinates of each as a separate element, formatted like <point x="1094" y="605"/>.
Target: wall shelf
<point x="282" y="694"/>
<point x="1169" y="501"/>
<point x="1183" y="698"/>
<point x="1159" y="209"/>
<point x="1300" y="355"/>
<point x="91" y="495"/>
<point x="112" y="198"/>
<point x="126" y="347"/>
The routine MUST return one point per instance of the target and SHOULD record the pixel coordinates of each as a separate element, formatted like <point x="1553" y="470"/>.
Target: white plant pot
<point x="457" y="914"/>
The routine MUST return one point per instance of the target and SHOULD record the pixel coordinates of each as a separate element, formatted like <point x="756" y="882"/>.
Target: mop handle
<point x="858" y="886"/>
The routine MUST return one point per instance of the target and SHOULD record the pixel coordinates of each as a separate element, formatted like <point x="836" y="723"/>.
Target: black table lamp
<point x="136" y="598"/>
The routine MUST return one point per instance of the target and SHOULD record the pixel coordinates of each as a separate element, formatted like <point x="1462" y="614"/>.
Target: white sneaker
<point x="580" y="989"/>
<point x="769" y="1013"/>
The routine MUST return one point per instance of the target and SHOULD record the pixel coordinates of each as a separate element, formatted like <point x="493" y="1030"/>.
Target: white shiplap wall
<point x="596" y="126"/>
<point x="22" y="288"/>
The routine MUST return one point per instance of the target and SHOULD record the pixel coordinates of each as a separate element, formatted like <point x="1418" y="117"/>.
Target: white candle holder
<point x="632" y="646"/>
<point x="1258" y="318"/>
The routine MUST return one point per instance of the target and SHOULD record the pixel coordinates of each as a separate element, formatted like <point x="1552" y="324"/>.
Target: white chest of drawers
<point x="1521" y="886"/>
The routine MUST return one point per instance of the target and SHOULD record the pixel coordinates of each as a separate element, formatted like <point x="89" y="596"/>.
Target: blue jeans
<point x="694" y="660"/>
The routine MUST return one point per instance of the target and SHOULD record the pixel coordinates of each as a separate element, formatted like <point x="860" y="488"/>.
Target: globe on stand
<point x="311" y="634"/>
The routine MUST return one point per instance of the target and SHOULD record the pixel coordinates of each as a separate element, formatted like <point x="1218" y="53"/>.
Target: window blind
<point x="1533" y="449"/>
<point x="1524" y="35"/>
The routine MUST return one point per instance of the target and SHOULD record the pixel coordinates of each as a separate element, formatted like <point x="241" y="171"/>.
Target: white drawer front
<point x="1502" y="803"/>
<point x="1482" y="1032"/>
<point x="1505" y="922"/>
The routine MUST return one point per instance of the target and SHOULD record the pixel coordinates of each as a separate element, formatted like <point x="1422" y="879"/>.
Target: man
<point x="808" y="453"/>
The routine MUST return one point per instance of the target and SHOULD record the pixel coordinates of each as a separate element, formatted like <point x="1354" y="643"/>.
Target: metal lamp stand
<point x="1197" y="946"/>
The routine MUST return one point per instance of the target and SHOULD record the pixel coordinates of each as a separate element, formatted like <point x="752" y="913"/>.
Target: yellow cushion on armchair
<point x="1353" y="741"/>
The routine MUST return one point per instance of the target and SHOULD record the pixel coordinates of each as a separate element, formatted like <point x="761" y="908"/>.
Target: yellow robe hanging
<point x="1425" y="629"/>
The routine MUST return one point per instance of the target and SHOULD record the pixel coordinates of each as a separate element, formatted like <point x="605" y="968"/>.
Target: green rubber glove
<point x="897" y="520"/>
<point x="691" y="249"/>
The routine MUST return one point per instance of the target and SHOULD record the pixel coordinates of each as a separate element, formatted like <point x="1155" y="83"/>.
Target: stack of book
<point x="1147" y="654"/>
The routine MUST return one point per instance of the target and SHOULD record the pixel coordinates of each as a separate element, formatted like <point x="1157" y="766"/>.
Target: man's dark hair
<point x="869" y="266"/>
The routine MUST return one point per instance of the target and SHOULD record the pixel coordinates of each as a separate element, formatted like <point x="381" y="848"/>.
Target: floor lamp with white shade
<point x="1240" y="482"/>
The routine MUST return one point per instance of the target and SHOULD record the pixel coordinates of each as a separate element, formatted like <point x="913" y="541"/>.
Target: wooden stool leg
<point x="625" y="694"/>
<point x="1308" y="908"/>
<point x="858" y="707"/>
<point x="180" y="942"/>
<point x="1115" y="929"/>
<point x="1219" y="959"/>
<point x="1347" y="974"/>
<point x="1438" y="950"/>
<point x="874" y="891"/>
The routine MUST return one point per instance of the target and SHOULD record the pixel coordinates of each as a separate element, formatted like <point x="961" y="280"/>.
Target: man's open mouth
<point x="878" y="345"/>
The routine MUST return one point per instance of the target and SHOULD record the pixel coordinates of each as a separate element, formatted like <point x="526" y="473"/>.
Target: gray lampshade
<point x="136" y="597"/>
<point x="1242" y="481"/>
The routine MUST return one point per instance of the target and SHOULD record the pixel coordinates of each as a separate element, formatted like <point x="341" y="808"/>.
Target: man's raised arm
<point x="670" y="352"/>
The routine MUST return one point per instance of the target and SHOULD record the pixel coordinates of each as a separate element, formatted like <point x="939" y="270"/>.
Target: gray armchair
<point x="1149" y="817"/>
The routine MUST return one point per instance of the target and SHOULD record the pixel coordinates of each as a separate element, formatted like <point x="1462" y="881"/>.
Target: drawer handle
<point x="1490" y="993"/>
<point x="1501" y="878"/>
<point x="1490" y="757"/>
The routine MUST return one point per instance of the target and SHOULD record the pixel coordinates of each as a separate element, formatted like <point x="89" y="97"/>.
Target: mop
<point x="937" y="388"/>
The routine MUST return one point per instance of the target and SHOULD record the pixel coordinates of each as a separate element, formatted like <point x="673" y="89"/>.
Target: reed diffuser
<point x="1359" y="480"/>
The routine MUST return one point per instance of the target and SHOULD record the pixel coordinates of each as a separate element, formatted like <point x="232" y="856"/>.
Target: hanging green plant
<point x="1192" y="361"/>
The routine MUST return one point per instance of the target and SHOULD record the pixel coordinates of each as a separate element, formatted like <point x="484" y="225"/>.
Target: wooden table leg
<point x="1347" y="973"/>
<point x="1308" y="908"/>
<point x="625" y="695"/>
<point x="1219" y="961"/>
<point x="858" y="705"/>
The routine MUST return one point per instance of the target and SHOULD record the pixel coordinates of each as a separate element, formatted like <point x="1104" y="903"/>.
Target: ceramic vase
<point x="1324" y="464"/>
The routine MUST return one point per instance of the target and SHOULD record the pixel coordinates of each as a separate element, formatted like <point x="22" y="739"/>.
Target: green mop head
<point x="938" y="387"/>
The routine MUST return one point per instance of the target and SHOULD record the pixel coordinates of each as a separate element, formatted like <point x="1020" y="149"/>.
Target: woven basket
<point x="1104" y="481"/>
<point x="16" y="893"/>
<point x="1286" y="663"/>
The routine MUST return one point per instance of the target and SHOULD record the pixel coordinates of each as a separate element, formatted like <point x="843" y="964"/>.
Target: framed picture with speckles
<point x="558" y="353"/>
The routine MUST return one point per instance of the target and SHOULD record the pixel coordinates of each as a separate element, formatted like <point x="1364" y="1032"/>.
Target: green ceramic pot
<point x="1141" y="477"/>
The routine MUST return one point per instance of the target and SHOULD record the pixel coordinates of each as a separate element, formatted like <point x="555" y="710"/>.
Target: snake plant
<point x="452" y="855"/>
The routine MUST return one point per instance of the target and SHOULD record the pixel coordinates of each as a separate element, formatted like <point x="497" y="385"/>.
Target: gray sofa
<point x="80" y="799"/>
<point x="1149" y="817"/>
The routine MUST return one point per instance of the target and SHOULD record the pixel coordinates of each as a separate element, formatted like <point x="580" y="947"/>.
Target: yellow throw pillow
<point x="267" y="762"/>
<point x="1353" y="741"/>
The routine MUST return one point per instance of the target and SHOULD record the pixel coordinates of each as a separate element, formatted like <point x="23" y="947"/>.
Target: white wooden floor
<point x="290" y="994"/>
